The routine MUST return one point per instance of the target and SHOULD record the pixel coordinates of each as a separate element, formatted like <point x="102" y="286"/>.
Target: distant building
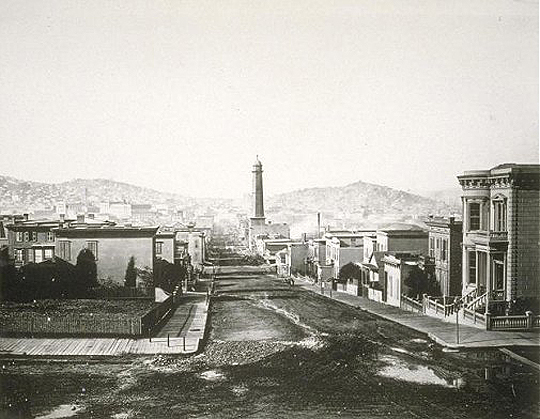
<point x="193" y="242"/>
<point x="33" y="241"/>
<point x="111" y="246"/>
<point x="141" y="212"/>
<point x="118" y="209"/>
<point x="268" y="248"/>
<point x="316" y="257"/>
<point x="292" y="260"/>
<point x="165" y="245"/>
<point x="387" y="242"/>
<point x="403" y="240"/>
<point x="397" y="267"/>
<point x="501" y="227"/>
<point x="343" y="248"/>
<point x="445" y="235"/>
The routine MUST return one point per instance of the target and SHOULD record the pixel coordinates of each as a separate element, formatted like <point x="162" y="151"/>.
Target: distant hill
<point x="357" y="198"/>
<point x="26" y="195"/>
<point x="451" y="196"/>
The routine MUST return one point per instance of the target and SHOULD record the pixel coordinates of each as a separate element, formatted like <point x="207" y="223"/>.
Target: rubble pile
<point x="240" y="353"/>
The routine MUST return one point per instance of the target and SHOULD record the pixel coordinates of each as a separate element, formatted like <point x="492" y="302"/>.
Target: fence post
<point x="424" y="302"/>
<point x="168" y="343"/>
<point x="529" y="315"/>
<point x="184" y="342"/>
<point x="488" y="321"/>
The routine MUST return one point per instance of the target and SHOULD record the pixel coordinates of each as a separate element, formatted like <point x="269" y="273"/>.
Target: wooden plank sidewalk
<point x="95" y="347"/>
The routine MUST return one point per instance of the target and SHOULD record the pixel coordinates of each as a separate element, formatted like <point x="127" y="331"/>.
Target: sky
<point x="181" y="96"/>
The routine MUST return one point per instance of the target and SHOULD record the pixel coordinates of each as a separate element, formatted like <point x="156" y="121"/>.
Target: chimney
<point x="91" y="216"/>
<point x="25" y="216"/>
<point x="80" y="218"/>
<point x="452" y="219"/>
<point x="304" y="237"/>
<point x="318" y="225"/>
<point x="62" y="217"/>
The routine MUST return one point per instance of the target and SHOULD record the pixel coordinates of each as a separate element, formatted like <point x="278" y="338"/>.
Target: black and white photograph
<point x="269" y="209"/>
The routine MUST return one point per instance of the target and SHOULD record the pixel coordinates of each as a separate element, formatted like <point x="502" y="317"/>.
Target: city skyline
<point x="180" y="97"/>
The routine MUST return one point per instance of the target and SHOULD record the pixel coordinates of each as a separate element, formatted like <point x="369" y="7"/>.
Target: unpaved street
<point x="280" y="352"/>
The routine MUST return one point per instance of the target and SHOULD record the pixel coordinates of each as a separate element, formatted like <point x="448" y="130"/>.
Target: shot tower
<point x="258" y="201"/>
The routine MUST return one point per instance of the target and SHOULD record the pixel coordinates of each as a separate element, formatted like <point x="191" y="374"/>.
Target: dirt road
<point x="280" y="352"/>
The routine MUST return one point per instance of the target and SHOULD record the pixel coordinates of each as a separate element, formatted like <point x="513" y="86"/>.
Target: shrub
<point x="130" y="279"/>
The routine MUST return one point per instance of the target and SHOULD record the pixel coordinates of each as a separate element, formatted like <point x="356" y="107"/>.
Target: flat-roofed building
<point x="445" y="235"/>
<point x="111" y="246"/>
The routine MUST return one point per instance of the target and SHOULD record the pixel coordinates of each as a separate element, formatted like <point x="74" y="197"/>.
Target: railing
<point x="508" y="322"/>
<point x="433" y="304"/>
<point x="411" y="305"/>
<point x="477" y="302"/>
<point x="526" y="322"/>
<point x="474" y="316"/>
<point x="470" y="296"/>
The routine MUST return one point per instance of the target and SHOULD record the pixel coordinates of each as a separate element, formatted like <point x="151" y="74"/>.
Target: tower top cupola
<point x="257" y="161"/>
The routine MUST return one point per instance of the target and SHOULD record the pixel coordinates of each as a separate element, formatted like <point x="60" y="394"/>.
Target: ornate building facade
<point x="501" y="232"/>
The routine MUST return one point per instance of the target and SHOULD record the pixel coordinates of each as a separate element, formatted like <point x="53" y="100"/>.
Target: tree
<point x="86" y="270"/>
<point x="418" y="282"/>
<point x="349" y="271"/>
<point x="167" y="275"/>
<point x="130" y="279"/>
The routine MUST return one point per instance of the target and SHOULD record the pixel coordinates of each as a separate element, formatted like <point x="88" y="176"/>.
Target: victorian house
<point x="501" y="229"/>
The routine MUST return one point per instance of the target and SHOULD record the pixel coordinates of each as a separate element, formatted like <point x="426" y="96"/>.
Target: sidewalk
<point x="188" y="323"/>
<point x="180" y="335"/>
<point x="441" y="332"/>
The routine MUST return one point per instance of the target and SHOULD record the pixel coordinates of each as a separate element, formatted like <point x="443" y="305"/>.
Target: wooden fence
<point x="155" y="318"/>
<point x="86" y="324"/>
<point x="101" y="324"/>
<point x="410" y="304"/>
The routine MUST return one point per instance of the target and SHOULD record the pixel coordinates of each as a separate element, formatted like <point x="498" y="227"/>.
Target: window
<point x="64" y="250"/>
<point x="93" y="247"/>
<point x="19" y="236"/>
<point x="474" y="216"/>
<point x="29" y="255"/>
<point x="432" y="247"/>
<point x="444" y="249"/>
<point x="26" y="236"/>
<point x="19" y="255"/>
<point x="472" y="266"/>
<point x="159" y="248"/>
<point x="50" y="236"/>
<point x="499" y="218"/>
<point x="34" y="236"/>
<point x="38" y="255"/>
<point x="49" y="254"/>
